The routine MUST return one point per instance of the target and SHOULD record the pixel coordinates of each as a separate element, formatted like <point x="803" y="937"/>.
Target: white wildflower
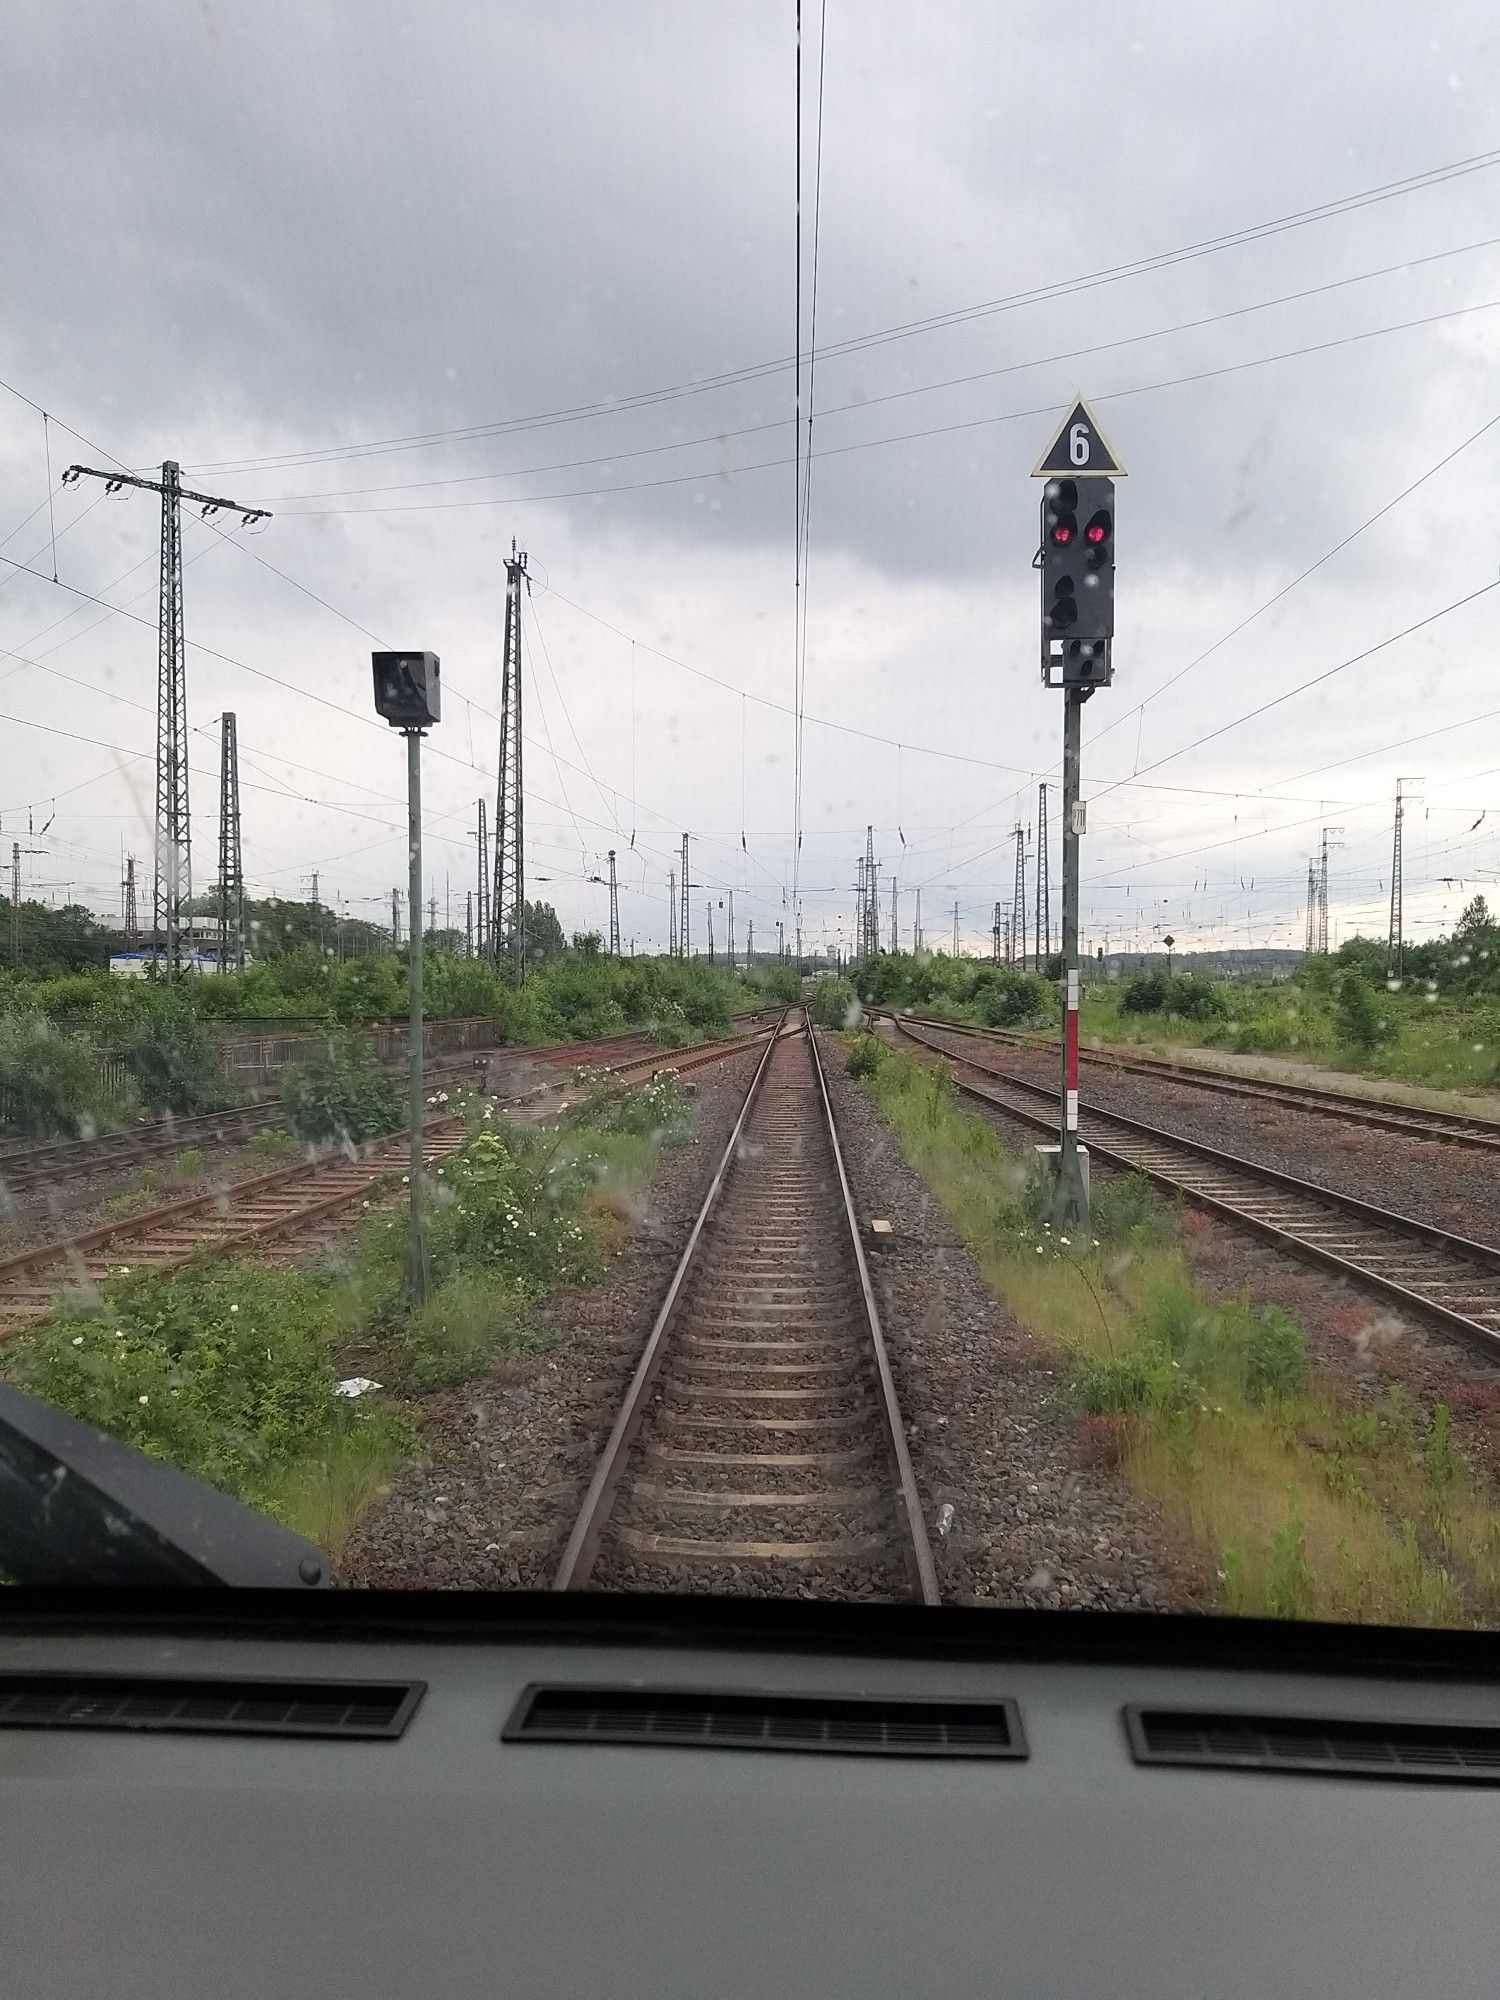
<point x="78" y="1340"/>
<point x="143" y="1399"/>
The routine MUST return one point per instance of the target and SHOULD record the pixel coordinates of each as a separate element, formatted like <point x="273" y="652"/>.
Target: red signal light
<point x="1094" y="532"/>
<point x="1062" y="533"/>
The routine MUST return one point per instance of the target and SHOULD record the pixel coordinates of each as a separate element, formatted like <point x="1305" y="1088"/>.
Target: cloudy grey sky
<point x="422" y="279"/>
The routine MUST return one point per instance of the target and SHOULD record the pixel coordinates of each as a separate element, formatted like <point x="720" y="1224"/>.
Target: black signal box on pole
<point x="1077" y="564"/>
<point x="408" y="690"/>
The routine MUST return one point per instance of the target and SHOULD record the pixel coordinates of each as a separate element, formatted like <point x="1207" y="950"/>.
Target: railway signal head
<point x="408" y="690"/>
<point x="1077" y="563"/>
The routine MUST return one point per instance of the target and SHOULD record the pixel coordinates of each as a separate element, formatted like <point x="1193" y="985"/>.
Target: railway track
<point x="266" y="1210"/>
<point x="1415" y="1121"/>
<point x="1425" y="1269"/>
<point x="759" y="1447"/>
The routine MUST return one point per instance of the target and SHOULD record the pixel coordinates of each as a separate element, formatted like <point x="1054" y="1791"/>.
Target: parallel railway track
<point x="1414" y="1121"/>
<point x="262" y="1212"/>
<point x="759" y="1446"/>
<point x="39" y="1163"/>
<point x="1428" y="1270"/>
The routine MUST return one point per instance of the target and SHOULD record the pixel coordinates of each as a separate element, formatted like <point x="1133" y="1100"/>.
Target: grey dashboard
<point x="440" y="1860"/>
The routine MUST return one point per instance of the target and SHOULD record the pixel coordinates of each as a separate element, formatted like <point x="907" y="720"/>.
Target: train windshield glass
<point x="751" y="818"/>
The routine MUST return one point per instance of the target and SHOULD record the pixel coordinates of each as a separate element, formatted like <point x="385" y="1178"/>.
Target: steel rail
<point x="1417" y="1292"/>
<point x="584" y="1541"/>
<point x="1413" y="1120"/>
<point x="582" y="1546"/>
<point x="918" y="1548"/>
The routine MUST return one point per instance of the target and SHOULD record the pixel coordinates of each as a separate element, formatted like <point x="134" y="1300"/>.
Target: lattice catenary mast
<point x="1043" y="883"/>
<point x="482" y="908"/>
<point x="173" y="891"/>
<point x="231" y="860"/>
<point x="508" y="900"/>
<point x="1018" y="900"/>
<point x="132" y="915"/>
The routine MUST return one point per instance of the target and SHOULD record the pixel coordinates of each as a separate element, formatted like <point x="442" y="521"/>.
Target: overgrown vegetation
<point x="965" y="989"/>
<point x="1333" y="1013"/>
<point x="226" y="1372"/>
<point x="230" y="1371"/>
<point x="834" y="1004"/>
<point x="1438" y="1025"/>
<point x="340" y="1093"/>
<point x="1158" y="991"/>
<point x="52" y="1084"/>
<point x="84" y="1051"/>
<point x="1305" y="1502"/>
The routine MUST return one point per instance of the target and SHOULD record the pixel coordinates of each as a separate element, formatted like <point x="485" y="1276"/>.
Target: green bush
<point x="172" y="1057"/>
<point x="1357" y="1016"/>
<point x="1127" y="1208"/>
<point x="472" y="1319"/>
<point x="50" y="1082"/>
<point x="1010" y="999"/>
<point x="1157" y="991"/>
<point x="864" y="1058"/>
<point x="834" y="1004"/>
<point x="513" y="1206"/>
<point x="659" y="1110"/>
<point x="340" y="1093"/>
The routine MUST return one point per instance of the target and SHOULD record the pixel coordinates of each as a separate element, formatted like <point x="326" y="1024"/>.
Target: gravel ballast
<point x="1034" y="1522"/>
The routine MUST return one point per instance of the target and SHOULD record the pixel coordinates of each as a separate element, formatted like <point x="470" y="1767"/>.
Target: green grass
<point x="472" y="1321"/>
<point x="1302" y="1503"/>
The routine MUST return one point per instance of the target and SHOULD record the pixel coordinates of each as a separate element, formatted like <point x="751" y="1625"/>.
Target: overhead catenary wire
<point x="717" y="438"/>
<point x="1107" y="275"/>
<point x="719" y="473"/>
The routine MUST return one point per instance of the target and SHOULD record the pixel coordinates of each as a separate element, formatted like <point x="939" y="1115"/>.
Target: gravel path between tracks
<point x="1433" y="1181"/>
<point x="1035" y="1523"/>
<point x="490" y="1503"/>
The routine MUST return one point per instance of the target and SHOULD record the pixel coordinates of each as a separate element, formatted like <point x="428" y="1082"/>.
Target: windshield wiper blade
<point x="78" y="1507"/>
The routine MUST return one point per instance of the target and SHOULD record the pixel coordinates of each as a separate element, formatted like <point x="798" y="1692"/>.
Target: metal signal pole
<point x="417" y="1244"/>
<point x="1076" y="560"/>
<point x="173" y="891"/>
